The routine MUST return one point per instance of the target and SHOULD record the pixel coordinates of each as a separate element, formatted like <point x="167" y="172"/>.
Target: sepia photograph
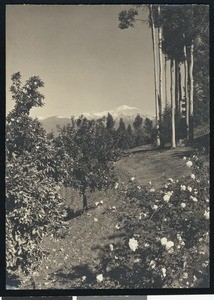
<point x="107" y="147"/>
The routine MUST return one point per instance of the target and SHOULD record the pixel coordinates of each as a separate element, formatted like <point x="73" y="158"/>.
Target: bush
<point x="167" y="245"/>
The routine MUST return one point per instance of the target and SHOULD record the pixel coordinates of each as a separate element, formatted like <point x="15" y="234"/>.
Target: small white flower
<point x="194" y="199"/>
<point x="166" y="185"/>
<point x="133" y="244"/>
<point x="152" y="264"/>
<point x="111" y="247"/>
<point x="114" y="207"/>
<point x="171" y="180"/>
<point x="83" y="278"/>
<point x="95" y="220"/>
<point x="183" y="188"/>
<point x="179" y="247"/>
<point x="97" y="203"/>
<point x="155" y="207"/>
<point x="99" y="278"/>
<point x="150" y="182"/>
<point x="185" y="275"/>
<point x="116" y="257"/>
<point x="116" y="185"/>
<point x="139" y="187"/>
<point x="184" y="158"/>
<point x="189" y="189"/>
<point x="117" y="226"/>
<point x="166" y="197"/>
<point x="189" y="164"/>
<point x="163" y="241"/>
<point x="207" y="214"/>
<point x="152" y="190"/>
<point x="207" y="200"/>
<point x="101" y="201"/>
<point x="183" y="205"/>
<point x="169" y="245"/>
<point x="193" y="176"/>
<point x="132" y="178"/>
<point x="146" y="245"/>
<point x="163" y="272"/>
<point x="137" y="260"/>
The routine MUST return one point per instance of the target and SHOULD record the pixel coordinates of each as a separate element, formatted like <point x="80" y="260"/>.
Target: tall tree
<point x="172" y="69"/>
<point x="154" y="46"/>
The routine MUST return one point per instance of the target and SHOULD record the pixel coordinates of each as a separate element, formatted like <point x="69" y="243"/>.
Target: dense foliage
<point x="92" y="151"/>
<point x="34" y="206"/>
<point x="166" y="244"/>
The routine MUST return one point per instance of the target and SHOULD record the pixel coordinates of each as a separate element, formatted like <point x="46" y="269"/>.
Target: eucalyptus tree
<point x="127" y="18"/>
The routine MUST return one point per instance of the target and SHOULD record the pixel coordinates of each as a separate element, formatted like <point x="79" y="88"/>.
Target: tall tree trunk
<point x="176" y="88"/>
<point x="154" y="45"/>
<point x="180" y="89"/>
<point x="186" y="88"/>
<point x="191" y="87"/>
<point x="172" y="69"/>
<point x="165" y="73"/>
<point x="160" y="102"/>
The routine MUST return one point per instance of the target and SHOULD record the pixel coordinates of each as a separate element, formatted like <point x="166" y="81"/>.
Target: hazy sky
<point x="86" y="61"/>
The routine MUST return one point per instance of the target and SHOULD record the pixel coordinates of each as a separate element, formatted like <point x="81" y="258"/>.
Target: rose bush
<point x="167" y="246"/>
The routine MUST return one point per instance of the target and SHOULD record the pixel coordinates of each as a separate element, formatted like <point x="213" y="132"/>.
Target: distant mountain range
<point x="126" y="112"/>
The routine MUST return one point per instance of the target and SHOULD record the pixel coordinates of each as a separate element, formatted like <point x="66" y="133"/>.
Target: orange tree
<point x="92" y="150"/>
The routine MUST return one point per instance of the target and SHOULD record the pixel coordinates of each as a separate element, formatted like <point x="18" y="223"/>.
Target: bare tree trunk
<point x="186" y="88"/>
<point x="155" y="74"/>
<point x="191" y="87"/>
<point x="165" y="70"/>
<point x="176" y="88"/>
<point x="172" y="67"/>
<point x="180" y="89"/>
<point x="160" y="75"/>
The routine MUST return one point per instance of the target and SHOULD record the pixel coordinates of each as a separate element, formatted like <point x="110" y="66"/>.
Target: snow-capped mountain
<point x="126" y="112"/>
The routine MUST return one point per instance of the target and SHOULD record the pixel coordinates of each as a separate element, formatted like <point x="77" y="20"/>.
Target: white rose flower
<point x="169" y="245"/>
<point x="207" y="214"/>
<point x="111" y="247"/>
<point x="133" y="244"/>
<point x="183" y="205"/>
<point x="166" y="197"/>
<point x="152" y="264"/>
<point x="189" y="189"/>
<point x="116" y="185"/>
<point x="183" y="188"/>
<point x="163" y="272"/>
<point x="163" y="241"/>
<point x="99" y="278"/>
<point x="189" y="164"/>
<point x="155" y="207"/>
<point x="194" y="199"/>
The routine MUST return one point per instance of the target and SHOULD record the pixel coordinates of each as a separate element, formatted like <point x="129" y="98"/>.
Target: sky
<point x="88" y="64"/>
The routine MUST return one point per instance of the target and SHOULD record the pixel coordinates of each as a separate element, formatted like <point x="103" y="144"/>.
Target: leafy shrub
<point x="34" y="206"/>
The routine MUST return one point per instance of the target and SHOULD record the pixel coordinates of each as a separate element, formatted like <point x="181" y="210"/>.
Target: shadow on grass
<point x="81" y="276"/>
